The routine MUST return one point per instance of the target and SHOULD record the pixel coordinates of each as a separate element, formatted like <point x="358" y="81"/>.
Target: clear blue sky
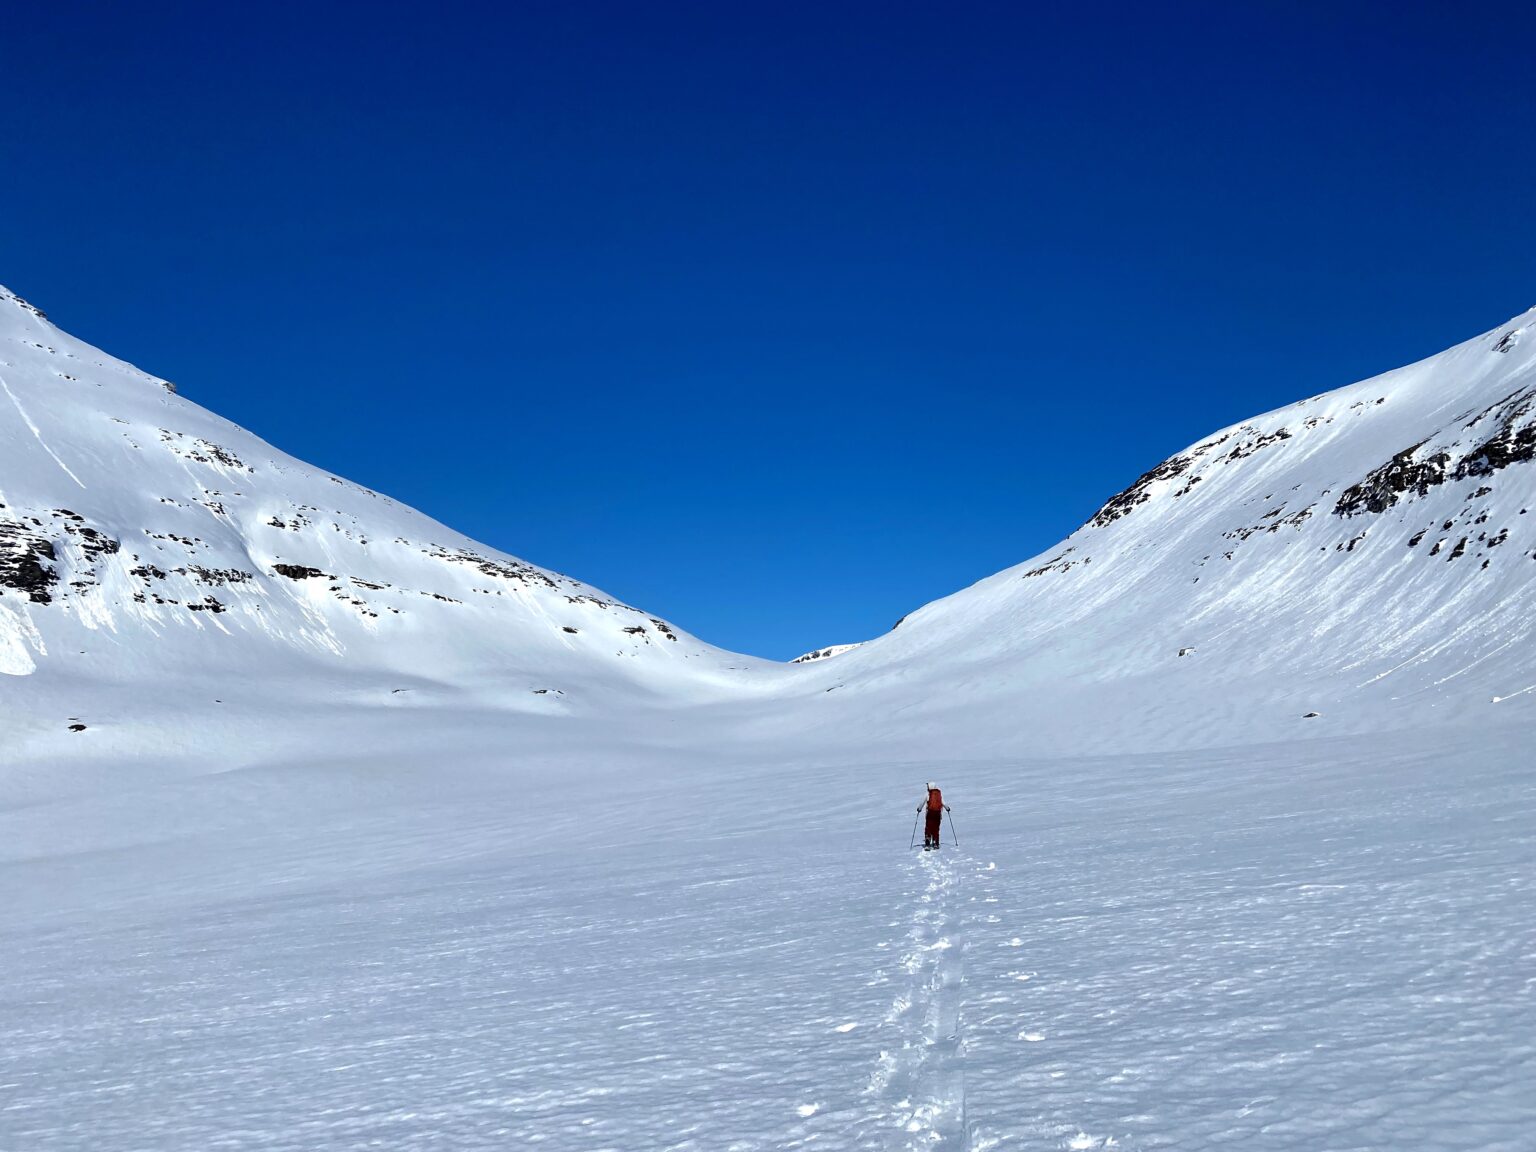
<point x="778" y="319"/>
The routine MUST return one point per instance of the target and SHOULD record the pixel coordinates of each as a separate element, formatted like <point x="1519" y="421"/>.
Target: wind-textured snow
<point x="320" y="875"/>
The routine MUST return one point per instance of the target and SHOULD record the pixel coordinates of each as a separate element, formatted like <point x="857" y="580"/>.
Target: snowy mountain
<point x="1368" y="555"/>
<point x="143" y="532"/>
<point x="323" y="827"/>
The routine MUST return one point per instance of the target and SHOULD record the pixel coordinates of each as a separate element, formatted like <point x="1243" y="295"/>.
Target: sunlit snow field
<point x="1325" y="945"/>
<point x="324" y="827"/>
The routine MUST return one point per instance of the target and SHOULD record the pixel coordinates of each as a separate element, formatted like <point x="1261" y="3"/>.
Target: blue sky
<point x="779" y="320"/>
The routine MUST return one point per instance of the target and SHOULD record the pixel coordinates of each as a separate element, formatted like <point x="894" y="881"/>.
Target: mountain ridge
<point x="125" y="506"/>
<point x="1367" y="550"/>
<point x="1363" y="552"/>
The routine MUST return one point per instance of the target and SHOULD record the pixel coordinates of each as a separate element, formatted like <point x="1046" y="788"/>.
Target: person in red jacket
<point x="936" y="809"/>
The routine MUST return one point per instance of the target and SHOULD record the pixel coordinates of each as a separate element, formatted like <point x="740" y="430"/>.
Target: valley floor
<point x="1330" y="945"/>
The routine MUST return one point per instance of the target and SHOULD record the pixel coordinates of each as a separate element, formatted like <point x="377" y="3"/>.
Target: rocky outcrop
<point x="1510" y="439"/>
<point x="27" y="560"/>
<point x="1123" y="503"/>
<point x="1385" y="485"/>
<point x="1249" y="441"/>
<point x="823" y="653"/>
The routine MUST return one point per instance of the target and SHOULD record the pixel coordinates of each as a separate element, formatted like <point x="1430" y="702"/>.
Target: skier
<point x="936" y="809"/>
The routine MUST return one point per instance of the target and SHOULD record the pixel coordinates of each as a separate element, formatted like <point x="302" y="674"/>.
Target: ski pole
<point x="915" y="819"/>
<point x="951" y="816"/>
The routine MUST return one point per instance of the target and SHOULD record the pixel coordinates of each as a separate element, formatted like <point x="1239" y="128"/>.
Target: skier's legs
<point x="931" y="830"/>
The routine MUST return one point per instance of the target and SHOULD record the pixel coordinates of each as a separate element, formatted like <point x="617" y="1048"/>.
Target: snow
<point x="167" y="524"/>
<point x="453" y="877"/>
<point x="823" y="653"/>
<point x="1287" y="947"/>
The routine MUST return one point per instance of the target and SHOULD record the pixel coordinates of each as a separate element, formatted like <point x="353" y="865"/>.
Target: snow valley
<point x="322" y="825"/>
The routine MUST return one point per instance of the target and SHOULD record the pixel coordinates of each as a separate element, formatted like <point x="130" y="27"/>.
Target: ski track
<point x="37" y="432"/>
<point x="920" y="1076"/>
<point x="1280" y="950"/>
<point x="259" y="899"/>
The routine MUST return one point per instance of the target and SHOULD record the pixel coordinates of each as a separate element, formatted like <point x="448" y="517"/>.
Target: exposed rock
<point x="216" y="576"/>
<point x="1276" y="520"/>
<point x="23" y="305"/>
<point x="504" y="569"/>
<point x="27" y="560"/>
<point x="1349" y="545"/>
<point x="1509" y="446"/>
<point x="190" y="543"/>
<point x="1140" y="492"/>
<point x="299" y="572"/>
<point x="1249" y="447"/>
<point x="93" y="542"/>
<point x="202" y="451"/>
<point x="1122" y="503"/>
<point x="824" y="653"/>
<point x="1385" y="485"/>
<point x="1513" y="441"/>
<point x="1057" y="563"/>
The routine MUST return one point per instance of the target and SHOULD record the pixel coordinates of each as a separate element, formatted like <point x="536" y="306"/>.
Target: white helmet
<point x="931" y="785"/>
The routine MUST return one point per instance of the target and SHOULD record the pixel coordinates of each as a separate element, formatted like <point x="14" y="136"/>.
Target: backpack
<point x="935" y="800"/>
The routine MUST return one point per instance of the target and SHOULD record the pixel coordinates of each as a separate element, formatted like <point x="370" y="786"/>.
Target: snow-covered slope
<point x="1368" y="554"/>
<point x="141" y="534"/>
<point x="373" y="837"/>
<point x="823" y="653"/>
